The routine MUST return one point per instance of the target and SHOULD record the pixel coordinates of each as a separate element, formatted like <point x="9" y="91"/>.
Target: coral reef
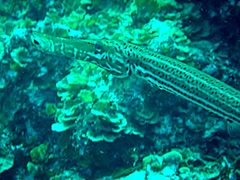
<point x="64" y="119"/>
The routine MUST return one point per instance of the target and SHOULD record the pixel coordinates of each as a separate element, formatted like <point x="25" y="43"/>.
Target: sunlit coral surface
<point x="64" y="118"/>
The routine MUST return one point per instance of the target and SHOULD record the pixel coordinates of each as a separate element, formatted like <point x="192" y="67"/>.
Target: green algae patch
<point x="39" y="153"/>
<point x="86" y="96"/>
<point x="101" y="106"/>
<point x="50" y="109"/>
<point x="33" y="168"/>
<point x="6" y="162"/>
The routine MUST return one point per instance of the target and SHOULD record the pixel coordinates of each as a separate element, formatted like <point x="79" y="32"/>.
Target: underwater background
<point x="68" y="119"/>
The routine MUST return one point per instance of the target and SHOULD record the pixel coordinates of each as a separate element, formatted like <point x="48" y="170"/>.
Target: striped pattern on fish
<point x="123" y="59"/>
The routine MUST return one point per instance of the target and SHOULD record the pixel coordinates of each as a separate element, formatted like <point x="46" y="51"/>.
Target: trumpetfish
<point x="123" y="59"/>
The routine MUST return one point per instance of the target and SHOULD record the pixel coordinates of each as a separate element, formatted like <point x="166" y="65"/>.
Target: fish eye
<point x="36" y="42"/>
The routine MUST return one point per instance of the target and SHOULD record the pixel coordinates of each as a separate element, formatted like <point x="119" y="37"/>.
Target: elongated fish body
<point x="98" y="52"/>
<point x="123" y="59"/>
